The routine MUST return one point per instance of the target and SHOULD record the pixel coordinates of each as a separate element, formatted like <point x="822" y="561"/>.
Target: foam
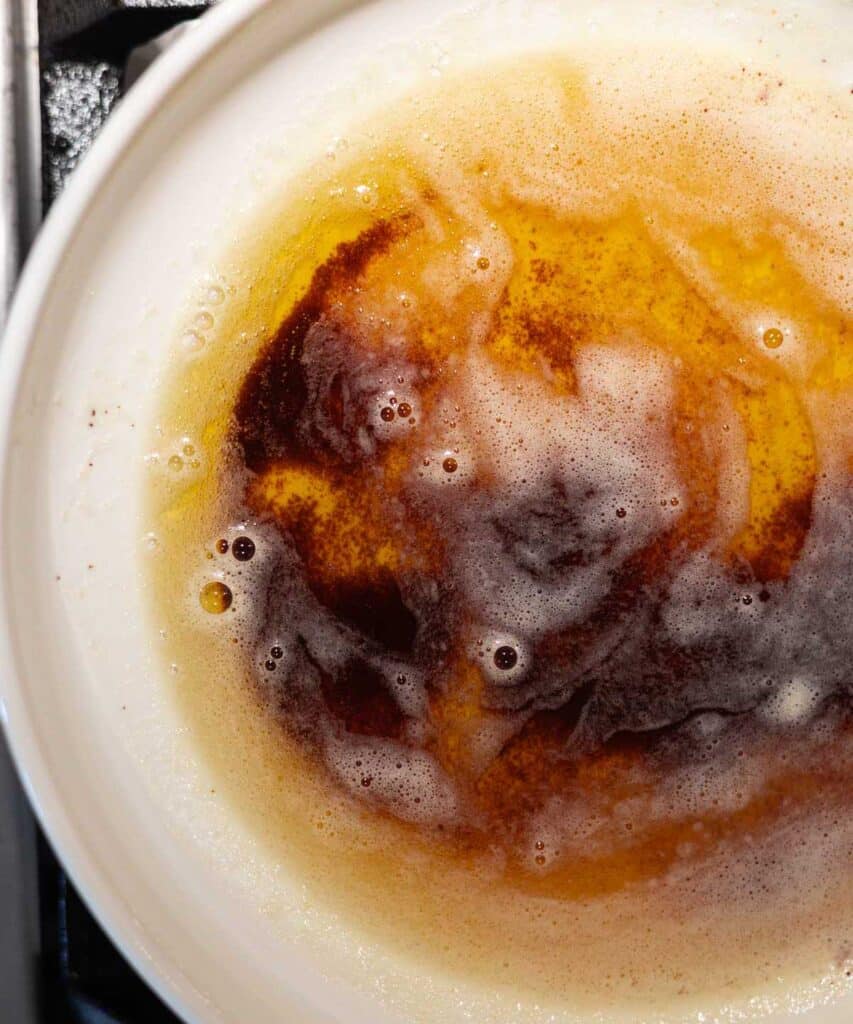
<point x="543" y="473"/>
<point x="794" y="702"/>
<point x="409" y="783"/>
<point x="531" y="441"/>
<point x="596" y="520"/>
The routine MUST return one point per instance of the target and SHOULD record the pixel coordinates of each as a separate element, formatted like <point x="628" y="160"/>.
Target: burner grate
<point x="83" y="51"/>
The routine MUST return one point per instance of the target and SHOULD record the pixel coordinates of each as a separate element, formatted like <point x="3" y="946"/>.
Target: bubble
<point x="505" y="658"/>
<point x="222" y="546"/>
<point x="151" y="541"/>
<point x="387" y="413"/>
<point x="204" y="320"/>
<point x="215" y="597"/>
<point x="243" y="548"/>
<point x="483" y="262"/>
<point x="404" y="411"/>
<point x="175" y="463"/>
<point x="450" y="465"/>
<point x="215" y="295"/>
<point x="192" y="341"/>
<point x="338" y="143"/>
<point x="367" y="194"/>
<point x="773" y="337"/>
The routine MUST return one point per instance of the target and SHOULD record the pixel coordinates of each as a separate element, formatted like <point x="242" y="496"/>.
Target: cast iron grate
<point x="83" y="50"/>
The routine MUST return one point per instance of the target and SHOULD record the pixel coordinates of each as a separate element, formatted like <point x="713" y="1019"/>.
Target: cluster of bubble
<point x="229" y="579"/>
<point x="180" y="460"/>
<point x="196" y="335"/>
<point x="407" y="780"/>
<point x="185" y="456"/>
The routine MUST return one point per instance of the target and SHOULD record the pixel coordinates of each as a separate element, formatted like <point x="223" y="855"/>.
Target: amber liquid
<point x="522" y="544"/>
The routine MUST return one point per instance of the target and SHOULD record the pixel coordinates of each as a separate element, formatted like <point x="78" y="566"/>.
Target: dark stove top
<point x="83" y="47"/>
<point x="56" y="964"/>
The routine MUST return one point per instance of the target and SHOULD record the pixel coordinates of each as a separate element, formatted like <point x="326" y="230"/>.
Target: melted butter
<point x="453" y="252"/>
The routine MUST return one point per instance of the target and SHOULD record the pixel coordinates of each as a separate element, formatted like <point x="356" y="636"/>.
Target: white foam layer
<point x="595" y="448"/>
<point x="408" y="782"/>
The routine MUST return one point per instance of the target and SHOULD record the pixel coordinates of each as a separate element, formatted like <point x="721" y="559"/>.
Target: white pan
<point x="225" y="117"/>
